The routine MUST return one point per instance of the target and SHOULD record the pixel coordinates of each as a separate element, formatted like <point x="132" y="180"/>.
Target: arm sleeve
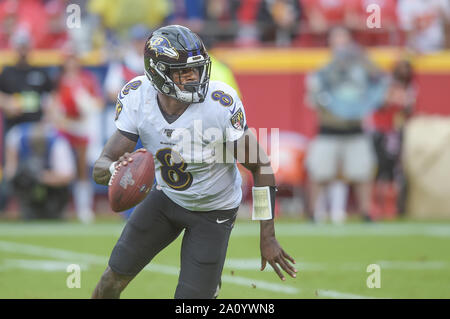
<point x="130" y="136"/>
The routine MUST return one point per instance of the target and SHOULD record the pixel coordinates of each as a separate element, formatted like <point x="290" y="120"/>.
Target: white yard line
<point x="61" y="266"/>
<point x="77" y="258"/>
<point x="40" y="251"/>
<point x="59" y="229"/>
<point x="37" y="265"/>
<point x="86" y="259"/>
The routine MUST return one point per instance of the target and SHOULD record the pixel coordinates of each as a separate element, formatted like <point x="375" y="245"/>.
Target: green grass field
<point x="414" y="260"/>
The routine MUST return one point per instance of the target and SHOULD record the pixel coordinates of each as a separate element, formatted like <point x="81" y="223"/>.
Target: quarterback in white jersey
<point x="188" y="147"/>
<point x="195" y="129"/>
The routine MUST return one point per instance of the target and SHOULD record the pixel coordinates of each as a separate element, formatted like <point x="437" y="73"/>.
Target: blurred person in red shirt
<point x="387" y="125"/>
<point x="78" y="97"/>
<point x="357" y="20"/>
<point x="321" y="16"/>
<point x="56" y="35"/>
<point x="8" y="22"/>
<point x="23" y="14"/>
<point x="246" y="14"/>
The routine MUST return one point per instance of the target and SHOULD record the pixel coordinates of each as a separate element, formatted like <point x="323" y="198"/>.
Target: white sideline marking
<point x="75" y="257"/>
<point x="49" y="265"/>
<point x="37" y="265"/>
<point x="71" y="256"/>
<point x="59" y="229"/>
<point x="242" y="229"/>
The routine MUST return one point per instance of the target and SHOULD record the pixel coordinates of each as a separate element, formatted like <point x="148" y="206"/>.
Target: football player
<point x="195" y="191"/>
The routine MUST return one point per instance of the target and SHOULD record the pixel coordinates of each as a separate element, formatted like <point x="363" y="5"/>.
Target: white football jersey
<point x="189" y="166"/>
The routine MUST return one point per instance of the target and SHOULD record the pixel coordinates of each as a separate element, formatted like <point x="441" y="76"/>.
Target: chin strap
<point x="263" y="202"/>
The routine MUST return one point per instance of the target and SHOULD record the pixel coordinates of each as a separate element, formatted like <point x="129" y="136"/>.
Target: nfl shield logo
<point x="168" y="132"/>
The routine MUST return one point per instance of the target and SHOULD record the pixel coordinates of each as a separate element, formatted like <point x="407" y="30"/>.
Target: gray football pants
<point x="156" y="222"/>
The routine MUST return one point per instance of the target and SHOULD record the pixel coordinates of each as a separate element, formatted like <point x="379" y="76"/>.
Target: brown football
<point x="130" y="184"/>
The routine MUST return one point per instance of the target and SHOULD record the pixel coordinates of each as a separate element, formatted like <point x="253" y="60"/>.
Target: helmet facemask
<point x="166" y="78"/>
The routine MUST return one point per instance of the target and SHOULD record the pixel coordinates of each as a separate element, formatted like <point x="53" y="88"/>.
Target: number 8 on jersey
<point x="173" y="169"/>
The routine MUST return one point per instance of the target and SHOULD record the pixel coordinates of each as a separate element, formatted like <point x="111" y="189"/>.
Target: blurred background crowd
<point x="343" y="123"/>
<point x="420" y="24"/>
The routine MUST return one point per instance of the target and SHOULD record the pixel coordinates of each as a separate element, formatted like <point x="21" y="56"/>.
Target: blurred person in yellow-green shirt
<point x="121" y="14"/>
<point x="222" y="72"/>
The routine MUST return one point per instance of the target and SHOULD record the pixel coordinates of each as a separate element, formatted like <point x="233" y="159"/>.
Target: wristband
<point x="263" y="202"/>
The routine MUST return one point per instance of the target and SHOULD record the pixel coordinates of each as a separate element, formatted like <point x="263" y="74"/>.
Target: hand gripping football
<point x="131" y="183"/>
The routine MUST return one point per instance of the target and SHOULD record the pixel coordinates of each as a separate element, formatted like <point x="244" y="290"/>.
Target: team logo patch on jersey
<point x="168" y="132"/>
<point x="119" y="107"/>
<point x="162" y="46"/>
<point x="237" y="120"/>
